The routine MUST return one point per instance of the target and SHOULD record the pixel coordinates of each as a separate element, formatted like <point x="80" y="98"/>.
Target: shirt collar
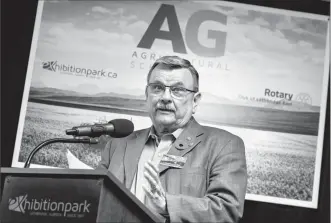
<point x="153" y="135"/>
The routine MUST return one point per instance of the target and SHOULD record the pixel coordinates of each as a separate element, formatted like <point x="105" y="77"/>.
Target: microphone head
<point x="122" y="128"/>
<point x="71" y="131"/>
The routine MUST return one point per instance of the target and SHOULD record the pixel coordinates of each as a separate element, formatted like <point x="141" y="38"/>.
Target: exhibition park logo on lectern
<point x="48" y="207"/>
<point x="25" y="200"/>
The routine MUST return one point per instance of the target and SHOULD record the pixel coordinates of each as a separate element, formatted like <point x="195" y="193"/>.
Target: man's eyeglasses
<point x="175" y="92"/>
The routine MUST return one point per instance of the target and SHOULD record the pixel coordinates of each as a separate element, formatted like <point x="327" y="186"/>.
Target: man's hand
<point x="154" y="192"/>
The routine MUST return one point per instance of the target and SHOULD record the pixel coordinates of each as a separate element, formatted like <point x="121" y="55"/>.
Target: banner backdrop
<point x="263" y="76"/>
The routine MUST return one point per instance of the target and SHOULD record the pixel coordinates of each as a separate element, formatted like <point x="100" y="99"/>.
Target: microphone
<point x="116" y="128"/>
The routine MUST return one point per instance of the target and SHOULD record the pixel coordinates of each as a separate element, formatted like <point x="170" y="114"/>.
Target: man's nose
<point x="166" y="97"/>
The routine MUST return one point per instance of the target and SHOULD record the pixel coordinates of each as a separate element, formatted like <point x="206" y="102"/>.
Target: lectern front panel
<point x="38" y="199"/>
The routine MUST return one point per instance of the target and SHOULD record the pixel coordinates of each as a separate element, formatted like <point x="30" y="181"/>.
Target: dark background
<point x="17" y="23"/>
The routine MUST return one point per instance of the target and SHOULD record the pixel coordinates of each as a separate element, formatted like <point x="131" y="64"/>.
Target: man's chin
<point x="165" y="119"/>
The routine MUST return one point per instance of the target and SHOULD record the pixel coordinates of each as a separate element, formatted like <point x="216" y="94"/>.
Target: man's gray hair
<point x="175" y="62"/>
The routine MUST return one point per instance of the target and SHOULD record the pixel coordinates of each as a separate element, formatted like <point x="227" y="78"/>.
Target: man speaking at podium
<point x="179" y="169"/>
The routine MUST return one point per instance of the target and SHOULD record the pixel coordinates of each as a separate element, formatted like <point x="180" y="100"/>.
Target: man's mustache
<point x="165" y="107"/>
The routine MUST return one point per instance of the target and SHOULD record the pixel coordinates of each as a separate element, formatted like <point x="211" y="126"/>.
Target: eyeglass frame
<point x="167" y="86"/>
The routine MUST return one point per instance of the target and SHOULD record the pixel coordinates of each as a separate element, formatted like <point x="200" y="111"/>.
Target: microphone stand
<point x="86" y="140"/>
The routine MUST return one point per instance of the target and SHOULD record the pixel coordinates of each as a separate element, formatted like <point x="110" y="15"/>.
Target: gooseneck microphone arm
<point x="56" y="140"/>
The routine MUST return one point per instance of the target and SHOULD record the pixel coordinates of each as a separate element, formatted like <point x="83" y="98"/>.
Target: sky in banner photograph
<point x="263" y="49"/>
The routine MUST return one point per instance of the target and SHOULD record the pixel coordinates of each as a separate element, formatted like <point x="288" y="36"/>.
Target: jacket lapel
<point x="133" y="151"/>
<point x="190" y="137"/>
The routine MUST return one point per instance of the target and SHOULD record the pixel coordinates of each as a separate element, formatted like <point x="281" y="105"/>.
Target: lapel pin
<point x="181" y="145"/>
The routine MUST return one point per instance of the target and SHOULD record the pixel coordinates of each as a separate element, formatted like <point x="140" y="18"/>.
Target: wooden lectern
<point x="66" y="195"/>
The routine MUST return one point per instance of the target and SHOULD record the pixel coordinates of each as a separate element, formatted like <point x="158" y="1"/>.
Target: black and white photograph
<point x="263" y="77"/>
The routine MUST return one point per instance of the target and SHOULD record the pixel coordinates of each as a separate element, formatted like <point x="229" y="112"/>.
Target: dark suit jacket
<point x="210" y="187"/>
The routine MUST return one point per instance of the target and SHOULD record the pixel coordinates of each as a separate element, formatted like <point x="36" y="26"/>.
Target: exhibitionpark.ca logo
<point x="22" y="204"/>
<point x="54" y="66"/>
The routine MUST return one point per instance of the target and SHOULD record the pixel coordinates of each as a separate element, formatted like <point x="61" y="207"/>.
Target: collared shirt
<point x="155" y="148"/>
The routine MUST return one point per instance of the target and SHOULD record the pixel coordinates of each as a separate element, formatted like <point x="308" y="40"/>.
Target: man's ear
<point x="196" y="100"/>
<point x="146" y="93"/>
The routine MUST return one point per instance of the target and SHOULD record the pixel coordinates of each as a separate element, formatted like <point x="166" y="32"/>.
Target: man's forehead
<point x="168" y="74"/>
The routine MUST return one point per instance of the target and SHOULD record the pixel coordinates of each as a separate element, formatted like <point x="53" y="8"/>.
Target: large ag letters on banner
<point x="168" y="13"/>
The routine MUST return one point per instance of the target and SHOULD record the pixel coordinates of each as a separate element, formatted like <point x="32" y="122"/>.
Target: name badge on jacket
<point x="173" y="161"/>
